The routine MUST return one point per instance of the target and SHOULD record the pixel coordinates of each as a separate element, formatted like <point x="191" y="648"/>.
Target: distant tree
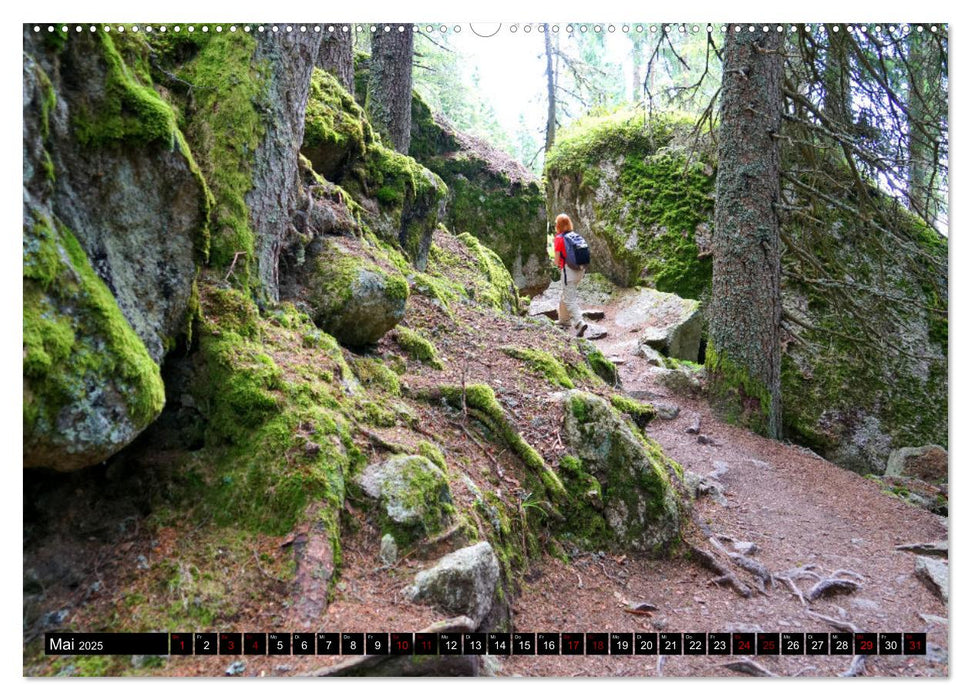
<point x="336" y="55"/>
<point x="550" y="92"/>
<point x="389" y="83"/>
<point x="744" y="355"/>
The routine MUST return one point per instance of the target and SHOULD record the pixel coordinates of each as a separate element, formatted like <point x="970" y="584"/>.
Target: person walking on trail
<point x="573" y="264"/>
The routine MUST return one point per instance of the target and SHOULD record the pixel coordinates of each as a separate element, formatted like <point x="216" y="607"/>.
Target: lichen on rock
<point x="352" y="298"/>
<point x="414" y="495"/>
<point x="633" y="503"/>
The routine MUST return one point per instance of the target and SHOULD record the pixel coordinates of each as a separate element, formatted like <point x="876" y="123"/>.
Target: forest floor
<point x="796" y="508"/>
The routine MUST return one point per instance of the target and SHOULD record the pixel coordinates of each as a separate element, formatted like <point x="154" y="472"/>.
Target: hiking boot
<point x="581" y="328"/>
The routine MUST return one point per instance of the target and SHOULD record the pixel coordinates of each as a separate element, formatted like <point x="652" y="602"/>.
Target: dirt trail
<point x="798" y="510"/>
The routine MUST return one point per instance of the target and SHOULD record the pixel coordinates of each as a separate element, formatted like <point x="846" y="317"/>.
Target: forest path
<point x="798" y="510"/>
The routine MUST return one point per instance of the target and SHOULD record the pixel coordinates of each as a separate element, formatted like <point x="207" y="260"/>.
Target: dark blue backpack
<point x="577" y="250"/>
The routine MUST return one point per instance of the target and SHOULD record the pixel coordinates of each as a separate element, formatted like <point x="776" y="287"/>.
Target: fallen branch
<point x="233" y="264"/>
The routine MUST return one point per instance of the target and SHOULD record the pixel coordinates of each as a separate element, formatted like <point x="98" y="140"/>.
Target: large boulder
<point x="461" y="583"/>
<point x="491" y="196"/>
<point x="351" y="297"/>
<point x="413" y="493"/>
<point x="864" y="367"/>
<point x="114" y="223"/>
<point x="619" y="480"/>
<point x="671" y="325"/>
<point x="643" y="206"/>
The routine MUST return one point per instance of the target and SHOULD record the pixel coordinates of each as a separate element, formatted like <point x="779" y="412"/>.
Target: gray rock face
<point x="638" y="501"/>
<point x="928" y="463"/>
<point x="461" y="583"/>
<point x="934" y="574"/>
<point x="135" y="207"/>
<point x="413" y="492"/>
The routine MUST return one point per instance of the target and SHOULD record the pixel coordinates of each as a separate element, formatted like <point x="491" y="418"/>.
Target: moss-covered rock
<point x="643" y="204"/>
<point x="413" y="493"/>
<point x="418" y="347"/>
<point x="541" y="363"/>
<point x="90" y="385"/>
<point x="490" y="195"/>
<point x="620" y="482"/>
<point x="352" y="298"/>
<point x="401" y="201"/>
<point x="104" y="156"/>
<point x="277" y="443"/>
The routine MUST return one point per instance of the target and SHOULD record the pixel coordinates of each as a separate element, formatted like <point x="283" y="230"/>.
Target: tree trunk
<point x="744" y="354"/>
<point x="336" y="55"/>
<point x="550" y="93"/>
<point x="926" y="104"/>
<point x="389" y="84"/>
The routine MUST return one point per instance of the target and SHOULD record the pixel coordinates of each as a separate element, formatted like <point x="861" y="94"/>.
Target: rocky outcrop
<point x="461" y="583"/>
<point x="491" y="196"/>
<point x="115" y="223"/>
<point x="644" y="207"/>
<point x="620" y="482"/>
<point x="399" y="200"/>
<point x="864" y="367"/>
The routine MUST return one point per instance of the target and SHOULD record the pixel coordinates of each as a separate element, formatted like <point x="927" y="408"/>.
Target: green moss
<point x="336" y="132"/>
<point x="277" y="439"/>
<point x="542" y="363"/>
<point x="224" y="127"/>
<point x="596" y="365"/>
<point x="419" y="347"/>
<point x="495" y="288"/>
<point x="737" y="396"/>
<point x="75" y="336"/>
<point x="481" y="403"/>
<point x="372" y="372"/>
<point x="433" y="454"/>
<point x="127" y="110"/>
<point x="640" y="413"/>
<point x="659" y="196"/>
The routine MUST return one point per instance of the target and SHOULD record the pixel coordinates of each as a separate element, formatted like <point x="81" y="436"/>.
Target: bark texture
<point x="744" y="350"/>
<point x="389" y="84"/>
<point x="290" y="61"/>
<point x="336" y="55"/>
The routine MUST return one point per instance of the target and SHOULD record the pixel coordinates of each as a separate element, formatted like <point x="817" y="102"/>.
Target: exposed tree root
<point x="749" y="667"/>
<point x="832" y="586"/>
<point x="708" y="560"/>
<point x="857" y="667"/>
<point x="842" y="625"/>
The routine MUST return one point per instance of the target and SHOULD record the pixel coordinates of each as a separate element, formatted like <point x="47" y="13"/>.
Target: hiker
<point x="572" y="256"/>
